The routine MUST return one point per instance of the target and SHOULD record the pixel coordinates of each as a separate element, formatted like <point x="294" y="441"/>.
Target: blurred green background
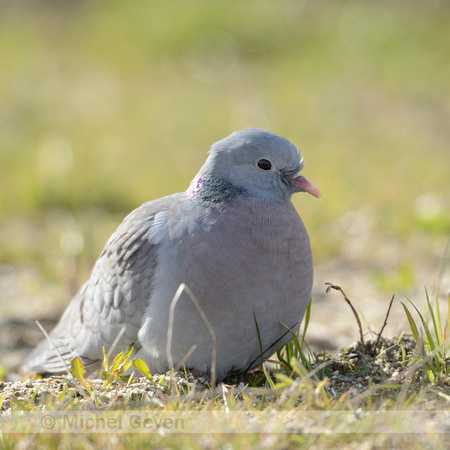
<point x="105" y="105"/>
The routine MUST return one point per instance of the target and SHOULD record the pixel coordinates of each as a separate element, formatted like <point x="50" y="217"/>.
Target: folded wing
<point x="113" y="300"/>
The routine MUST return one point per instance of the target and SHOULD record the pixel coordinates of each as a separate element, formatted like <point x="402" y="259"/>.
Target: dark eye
<point x="264" y="164"/>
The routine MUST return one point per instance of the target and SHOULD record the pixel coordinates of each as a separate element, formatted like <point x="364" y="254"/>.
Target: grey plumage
<point x="234" y="238"/>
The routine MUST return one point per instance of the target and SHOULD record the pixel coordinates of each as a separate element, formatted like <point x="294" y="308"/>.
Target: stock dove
<point x="236" y="241"/>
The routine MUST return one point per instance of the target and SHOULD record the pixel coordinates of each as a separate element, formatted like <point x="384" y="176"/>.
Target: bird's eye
<point x="264" y="164"/>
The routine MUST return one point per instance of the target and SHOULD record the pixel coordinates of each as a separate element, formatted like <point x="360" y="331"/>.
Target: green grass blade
<point x="447" y="323"/>
<point x="186" y="378"/>
<point x="438" y="314"/>
<point x="129" y="352"/>
<point x="78" y="370"/>
<point x="412" y="324"/>
<point x="117" y="362"/>
<point x="283" y="361"/>
<point x="125" y="366"/>
<point x="300" y="353"/>
<point x="433" y="318"/>
<point x="268" y="377"/>
<point x="307" y="318"/>
<point x="106" y="360"/>
<point x="20" y="404"/>
<point x="259" y="340"/>
<point x="431" y="343"/>
<point x="141" y="365"/>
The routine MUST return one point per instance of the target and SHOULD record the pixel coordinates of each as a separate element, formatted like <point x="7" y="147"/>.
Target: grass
<point x="435" y="343"/>
<point x="304" y="400"/>
<point x="297" y="349"/>
<point x="86" y="101"/>
<point x="106" y="105"/>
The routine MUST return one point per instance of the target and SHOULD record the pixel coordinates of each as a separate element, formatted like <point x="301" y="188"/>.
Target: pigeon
<point x="233" y="239"/>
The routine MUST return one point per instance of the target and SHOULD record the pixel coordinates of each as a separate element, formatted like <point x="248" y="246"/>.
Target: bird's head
<point x="255" y="162"/>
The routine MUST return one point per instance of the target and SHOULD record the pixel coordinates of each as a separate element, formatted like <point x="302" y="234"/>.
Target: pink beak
<point x="302" y="183"/>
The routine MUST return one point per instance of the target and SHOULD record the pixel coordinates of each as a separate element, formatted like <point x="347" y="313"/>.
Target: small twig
<point x="225" y="401"/>
<point x="338" y="288"/>
<point x="272" y="345"/>
<point x="175" y="299"/>
<point x="259" y="339"/>
<point x="55" y="348"/>
<point x="185" y="357"/>
<point x="385" y="321"/>
<point x="73" y="382"/>
<point x="116" y="340"/>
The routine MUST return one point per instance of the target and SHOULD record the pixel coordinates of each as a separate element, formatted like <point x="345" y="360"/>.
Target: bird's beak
<point x="304" y="185"/>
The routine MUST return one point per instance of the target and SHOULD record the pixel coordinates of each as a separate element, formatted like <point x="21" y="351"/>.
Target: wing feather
<point x="114" y="297"/>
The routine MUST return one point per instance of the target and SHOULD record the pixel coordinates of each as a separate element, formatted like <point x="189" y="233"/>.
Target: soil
<point x="378" y="368"/>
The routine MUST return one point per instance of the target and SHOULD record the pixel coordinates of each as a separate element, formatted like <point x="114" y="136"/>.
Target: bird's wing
<point x="113" y="300"/>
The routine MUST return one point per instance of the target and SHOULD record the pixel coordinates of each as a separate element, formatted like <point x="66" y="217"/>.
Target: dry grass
<point x="106" y="105"/>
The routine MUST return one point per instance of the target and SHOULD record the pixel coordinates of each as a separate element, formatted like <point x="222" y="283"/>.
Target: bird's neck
<point x="208" y="187"/>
